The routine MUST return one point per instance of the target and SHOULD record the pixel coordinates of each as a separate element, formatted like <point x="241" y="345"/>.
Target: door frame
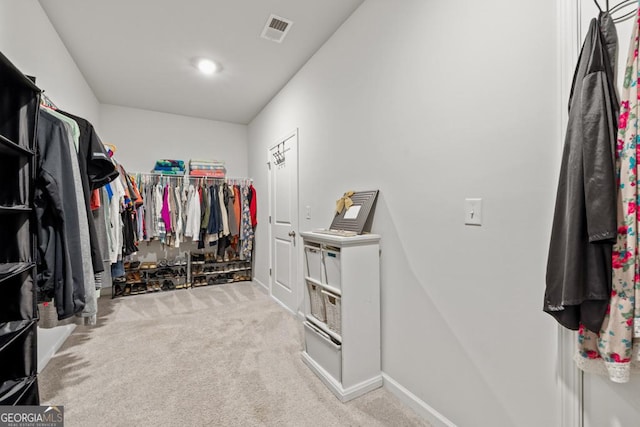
<point x="289" y="135"/>
<point x="569" y="378"/>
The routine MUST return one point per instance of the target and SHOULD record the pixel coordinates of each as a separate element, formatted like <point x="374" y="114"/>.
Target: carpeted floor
<point x="214" y="356"/>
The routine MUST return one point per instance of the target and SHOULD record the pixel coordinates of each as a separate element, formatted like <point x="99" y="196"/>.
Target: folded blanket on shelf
<point x="208" y="173"/>
<point x="208" y="167"/>
<point x="167" y="168"/>
<point x="169" y="172"/>
<point x="170" y="163"/>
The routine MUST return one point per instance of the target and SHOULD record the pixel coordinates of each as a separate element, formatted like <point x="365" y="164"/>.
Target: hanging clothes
<point x="179" y="225"/>
<point x="246" y="229"/>
<point x="96" y="170"/>
<point x="60" y="269"/>
<point x="613" y="349"/>
<point x="233" y="222"/>
<point x="578" y="282"/>
<point x="253" y="206"/>
<point x="192" y="226"/>
<point x="116" y="206"/>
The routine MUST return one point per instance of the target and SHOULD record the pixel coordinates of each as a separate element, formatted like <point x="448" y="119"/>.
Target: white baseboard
<point x="344" y="395"/>
<point x="266" y="288"/>
<point x="50" y="341"/>
<point x="415" y="403"/>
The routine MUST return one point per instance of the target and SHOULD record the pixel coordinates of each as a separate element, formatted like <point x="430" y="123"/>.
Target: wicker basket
<point x="332" y="309"/>
<point x="317" y="301"/>
<point x="48" y="315"/>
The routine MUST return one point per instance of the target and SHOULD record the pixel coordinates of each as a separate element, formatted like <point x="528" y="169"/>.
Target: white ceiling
<point x="138" y="53"/>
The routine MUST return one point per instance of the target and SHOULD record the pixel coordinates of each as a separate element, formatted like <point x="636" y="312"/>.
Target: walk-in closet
<point x="305" y="213"/>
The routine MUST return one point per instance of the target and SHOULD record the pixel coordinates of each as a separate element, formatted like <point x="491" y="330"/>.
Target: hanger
<point x="47" y="102"/>
<point x="617" y="8"/>
<point x="620" y="7"/>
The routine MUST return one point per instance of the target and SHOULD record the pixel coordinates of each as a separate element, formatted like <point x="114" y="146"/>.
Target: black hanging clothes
<point x="60" y="269"/>
<point x="578" y="283"/>
<point x="130" y="223"/>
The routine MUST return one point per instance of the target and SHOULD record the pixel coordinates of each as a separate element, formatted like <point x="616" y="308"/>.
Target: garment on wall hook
<point x="597" y="5"/>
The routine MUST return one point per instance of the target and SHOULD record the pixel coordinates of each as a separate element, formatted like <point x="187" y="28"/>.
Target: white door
<point x="283" y="210"/>
<point x="607" y="404"/>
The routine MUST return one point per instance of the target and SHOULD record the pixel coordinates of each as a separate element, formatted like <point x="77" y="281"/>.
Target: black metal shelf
<point x="11" y="331"/>
<point x="10" y="148"/>
<point x="17" y="209"/>
<point x="13" y="391"/>
<point x="211" y="273"/>
<point x="12" y="269"/>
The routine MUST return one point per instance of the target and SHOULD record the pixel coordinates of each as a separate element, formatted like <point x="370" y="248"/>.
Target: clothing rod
<point x="186" y="176"/>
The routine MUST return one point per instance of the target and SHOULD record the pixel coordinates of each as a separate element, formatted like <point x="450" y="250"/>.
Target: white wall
<point x="143" y="136"/>
<point x="29" y="40"/>
<point x="432" y="102"/>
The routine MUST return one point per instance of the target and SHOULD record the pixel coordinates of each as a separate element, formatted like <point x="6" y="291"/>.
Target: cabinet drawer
<point x="313" y="262"/>
<point x="331" y="263"/>
<point x="323" y="351"/>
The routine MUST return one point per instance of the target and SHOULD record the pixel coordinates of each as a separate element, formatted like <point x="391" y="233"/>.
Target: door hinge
<point x="269" y="165"/>
<point x="269" y="219"/>
<point x="269" y="272"/>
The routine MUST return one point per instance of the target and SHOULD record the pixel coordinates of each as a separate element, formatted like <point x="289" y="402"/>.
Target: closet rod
<point x="161" y="175"/>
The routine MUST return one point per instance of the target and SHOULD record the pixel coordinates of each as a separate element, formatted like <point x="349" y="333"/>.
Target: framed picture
<point x="359" y="217"/>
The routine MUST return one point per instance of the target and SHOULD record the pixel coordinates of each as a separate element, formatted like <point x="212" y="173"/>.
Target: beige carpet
<point x="214" y="356"/>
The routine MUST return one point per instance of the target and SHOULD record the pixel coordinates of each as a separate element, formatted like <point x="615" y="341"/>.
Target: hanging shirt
<point x="166" y="210"/>
<point x="223" y="210"/>
<point x="96" y="170"/>
<point x="253" y="206"/>
<point x="237" y="209"/>
<point x="233" y="222"/>
<point x="613" y="350"/>
<point x="115" y="217"/>
<point x="192" y="227"/>
<point x="60" y="268"/>
<point x="584" y="224"/>
<point x="178" y="224"/>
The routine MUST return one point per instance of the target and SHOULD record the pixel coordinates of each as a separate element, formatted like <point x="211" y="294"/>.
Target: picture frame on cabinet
<point x="358" y="217"/>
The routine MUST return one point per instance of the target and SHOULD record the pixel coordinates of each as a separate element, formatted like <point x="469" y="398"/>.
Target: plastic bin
<point x="313" y="262"/>
<point x="331" y="262"/>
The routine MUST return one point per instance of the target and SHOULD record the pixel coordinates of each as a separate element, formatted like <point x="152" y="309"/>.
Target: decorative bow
<point x="344" y="202"/>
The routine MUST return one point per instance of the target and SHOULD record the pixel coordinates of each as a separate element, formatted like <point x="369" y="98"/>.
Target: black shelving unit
<point x="149" y="277"/>
<point x="207" y="269"/>
<point x="19" y="104"/>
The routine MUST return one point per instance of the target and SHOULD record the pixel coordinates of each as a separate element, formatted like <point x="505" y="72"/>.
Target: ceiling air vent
<point x="276" y="28"/>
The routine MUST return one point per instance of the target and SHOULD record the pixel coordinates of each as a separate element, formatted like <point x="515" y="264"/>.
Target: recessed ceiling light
<point x="207" y="66"/>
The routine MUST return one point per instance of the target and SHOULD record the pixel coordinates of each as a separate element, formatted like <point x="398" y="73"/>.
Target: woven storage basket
<point x="48" y="315"/>
<point x="317" y="302"/>
<point x="332" y="308"/>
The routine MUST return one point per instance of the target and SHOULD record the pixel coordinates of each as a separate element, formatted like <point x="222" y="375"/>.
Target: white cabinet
<point x="342" y="312"/>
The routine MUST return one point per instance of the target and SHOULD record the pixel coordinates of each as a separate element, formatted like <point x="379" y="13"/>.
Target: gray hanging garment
<point x="578" y="282"/>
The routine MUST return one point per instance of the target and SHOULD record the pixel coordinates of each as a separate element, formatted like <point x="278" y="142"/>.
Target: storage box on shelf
<point x="20" y="101"/>
<point x="145" y="277"/>
<point x="205" y="268"/>
<point x="342" y="307"/>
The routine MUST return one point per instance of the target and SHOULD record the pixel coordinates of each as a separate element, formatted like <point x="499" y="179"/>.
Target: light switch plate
<point x="473" y="211"/>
